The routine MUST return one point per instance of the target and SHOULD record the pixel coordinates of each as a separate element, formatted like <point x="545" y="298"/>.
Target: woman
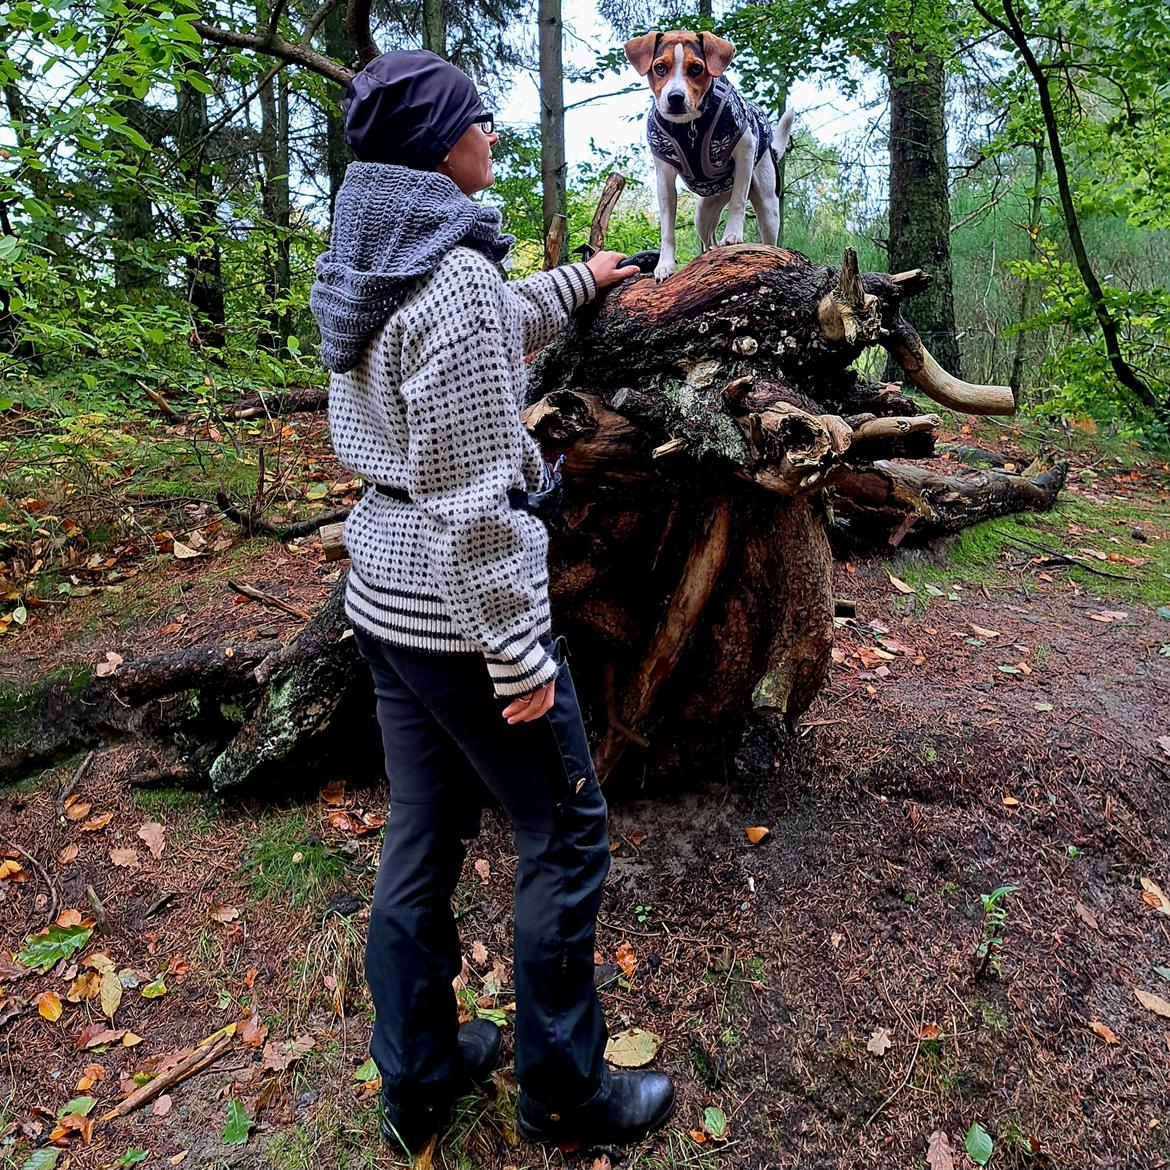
<point x="448" y="598"/>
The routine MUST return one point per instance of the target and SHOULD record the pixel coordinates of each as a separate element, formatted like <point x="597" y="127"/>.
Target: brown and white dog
<point x="702" y="130"/>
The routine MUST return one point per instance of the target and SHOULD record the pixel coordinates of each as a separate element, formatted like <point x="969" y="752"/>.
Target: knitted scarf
<point x="391" y="226"/>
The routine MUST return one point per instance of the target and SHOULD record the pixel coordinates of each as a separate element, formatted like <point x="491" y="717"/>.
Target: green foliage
<point x="1112" y="104"/>
<point x="288" y="860"/>
<point x="978" y="1144"/>
<point x="988" y="948"/>
<point x="45" y="950"/>
<point x="42" y="1159"/>
<point x="239" y="1125"/>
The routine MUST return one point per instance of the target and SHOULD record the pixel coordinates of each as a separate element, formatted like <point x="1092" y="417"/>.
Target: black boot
<point x="479" y="1049"/>
<point x="636" y="1104"/>
<point x="411" y="1127"/>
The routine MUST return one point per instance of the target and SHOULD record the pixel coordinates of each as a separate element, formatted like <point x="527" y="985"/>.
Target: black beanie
<point x="409" y="108"/>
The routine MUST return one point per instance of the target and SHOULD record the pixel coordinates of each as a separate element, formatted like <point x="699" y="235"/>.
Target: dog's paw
<point x="732" y="238"/>
<point x="665" y="268"/>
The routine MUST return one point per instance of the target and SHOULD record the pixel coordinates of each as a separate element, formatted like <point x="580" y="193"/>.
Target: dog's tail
<point x="783" y="133"/>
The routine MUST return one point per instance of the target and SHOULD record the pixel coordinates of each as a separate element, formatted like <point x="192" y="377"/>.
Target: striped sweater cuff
<point x="576" y="284"/>
<point x="510" y="679"/>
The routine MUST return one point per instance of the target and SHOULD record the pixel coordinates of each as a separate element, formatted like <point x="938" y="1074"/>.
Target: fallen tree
<point x="713" y="428"/>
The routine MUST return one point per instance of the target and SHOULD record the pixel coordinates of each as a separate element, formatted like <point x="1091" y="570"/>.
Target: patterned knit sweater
<point x="433" y="407"/>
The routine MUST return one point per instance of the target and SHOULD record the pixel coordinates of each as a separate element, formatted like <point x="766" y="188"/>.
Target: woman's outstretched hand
<point x="607" y="268"/>
<point x="531" y="706"/>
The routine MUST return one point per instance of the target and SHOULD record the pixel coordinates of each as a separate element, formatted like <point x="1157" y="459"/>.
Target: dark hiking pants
<point x="444" y="734"/>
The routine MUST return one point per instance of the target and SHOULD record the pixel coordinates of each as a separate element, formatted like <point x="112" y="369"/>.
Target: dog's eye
<point x="695" y="70"/>
<point x="660" y="69"/>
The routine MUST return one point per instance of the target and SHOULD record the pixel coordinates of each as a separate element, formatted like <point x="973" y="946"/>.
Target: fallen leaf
<point x="221" y="913"/>
<point x="162" y="1106"/>
<point x="1087" y="916"/>
<point x="1155" y="1003"/>
<point x="278" y="1057"/>
<point x="929" y="1032"/>
<point x="757" y="833"/>
<point x="68" y="854"/>
<point x="84" y="987"/>
<point x="125" y="857"/>
<point x="633" y="1048"/>
<point x="479" y="954"/>
<point x="983" y="632"/>
<point x="879" y="1043"/>
<point x="77" y="809"/>
<point x="98" y="822"/>
<point x="1104" y="1031"/>
<point x="1010" y="801"/>
<point x="71" y="1123"/>
<point x="153" y="834"/>
<point x="938" y="1152"/>
<point x="253" y="1032"/>
<point x="106" y="668"/>
<point x="333" y="792"/>
<point x="11" y="870"/>
<point x="184" y="552"/>
<point x="626" y="958"/>
<point x="483" y="869"/>
<point x="1153" y="896"/>
<point x="900" y="585"/>
<point x="1164" y="743"/>
<point x="978" y="1144"/>
<point x="601" y="1162"/>
<point x="96" y="1035"/>
<point x="111" y="985"/>
<point x="697" y="1136"/>
<point x="715" y="1122"/>
<point x="69" y="917"/>
<point x="49" y="1005"/>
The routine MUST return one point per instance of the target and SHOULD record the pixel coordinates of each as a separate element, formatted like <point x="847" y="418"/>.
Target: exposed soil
<point x="924" y="777"/>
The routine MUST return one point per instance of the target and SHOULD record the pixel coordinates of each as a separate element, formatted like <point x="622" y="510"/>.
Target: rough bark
<point x="704" y="422"/>
<point x="552" y="116"/>
<point x="1029" y="292"/>
<point x="205" y="289"/>
<point x="912" y="505"/>
<point x="274" y="155"/>
<point x="920" y="217"/>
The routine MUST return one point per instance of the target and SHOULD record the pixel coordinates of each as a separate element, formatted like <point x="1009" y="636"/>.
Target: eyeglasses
<point x="487" y="123"/>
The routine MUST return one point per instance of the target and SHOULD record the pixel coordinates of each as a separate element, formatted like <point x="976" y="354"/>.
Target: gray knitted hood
<point x="391" y="226"/>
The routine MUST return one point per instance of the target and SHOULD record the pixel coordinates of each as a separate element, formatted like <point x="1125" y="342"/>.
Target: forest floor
<point x="829" y="997"/>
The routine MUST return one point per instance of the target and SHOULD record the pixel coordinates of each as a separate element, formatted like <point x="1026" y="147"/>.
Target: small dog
<point x="701" y="128"/>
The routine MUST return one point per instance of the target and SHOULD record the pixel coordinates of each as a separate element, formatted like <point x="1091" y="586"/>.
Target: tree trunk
<point x="274" y="129"/>
<point x="434" y="30"/>
<point x="131" y="212"/>
<point x="552" y="117"/>
<point x="702" y="421"/>
<point x="1028" y="292"/>
<point x="205" y="291"/>
<point x="920" y="216"/>
<point x="337" y="152"/>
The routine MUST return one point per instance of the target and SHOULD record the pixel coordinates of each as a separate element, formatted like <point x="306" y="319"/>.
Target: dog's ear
<point x="717" y="52"/>
<point x="640" y="52"/>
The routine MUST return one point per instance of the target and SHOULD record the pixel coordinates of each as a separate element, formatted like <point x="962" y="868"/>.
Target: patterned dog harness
<point x="701" y="150"/>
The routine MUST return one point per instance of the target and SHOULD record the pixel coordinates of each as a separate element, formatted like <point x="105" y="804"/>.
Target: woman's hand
<point x="531" y="706"/>
<point x="607" y="268"/>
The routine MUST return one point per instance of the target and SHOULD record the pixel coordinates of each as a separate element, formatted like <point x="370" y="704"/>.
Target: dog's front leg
<point x="667" y="211"/>
<point x="744" y="155"/>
